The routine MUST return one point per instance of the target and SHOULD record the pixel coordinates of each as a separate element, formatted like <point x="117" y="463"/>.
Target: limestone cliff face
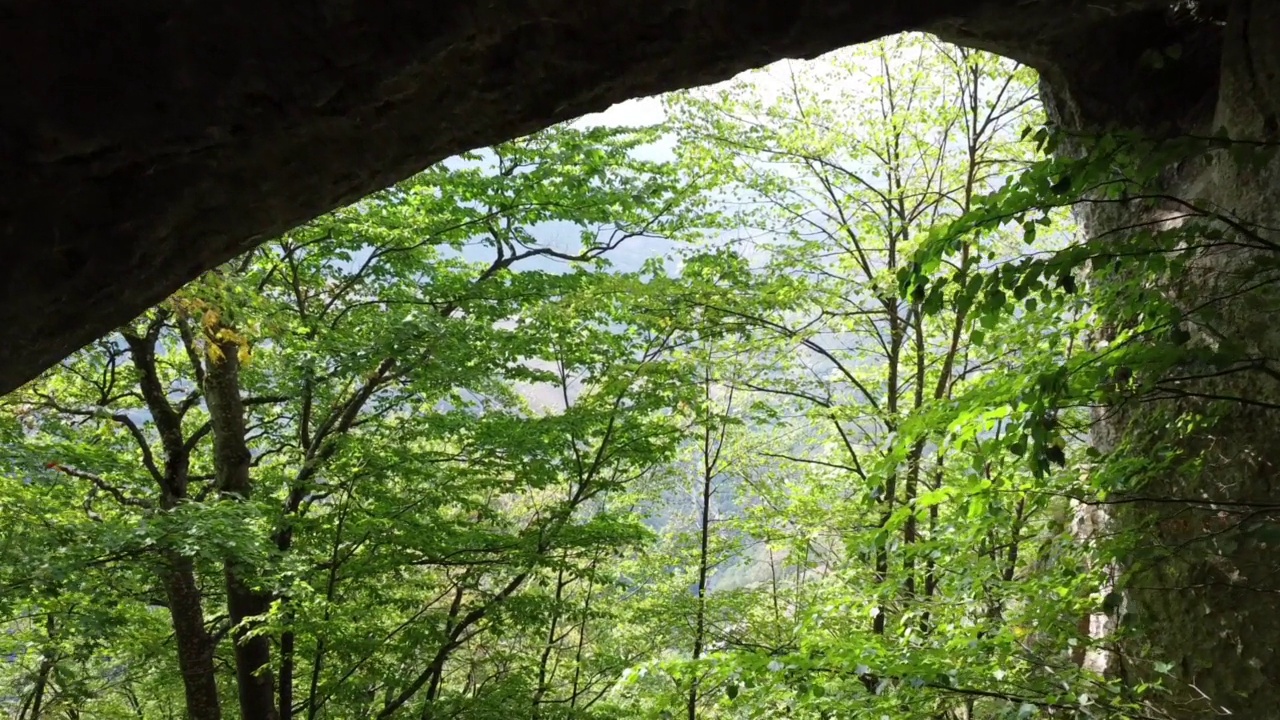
<point x="144" y="142"/>
<point x="1206" y="573"/>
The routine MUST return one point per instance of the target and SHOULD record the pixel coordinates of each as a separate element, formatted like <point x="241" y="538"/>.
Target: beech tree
<point x="313" y="465"/>
<point x="902" y="486"/>
<point x="810" y="402"/>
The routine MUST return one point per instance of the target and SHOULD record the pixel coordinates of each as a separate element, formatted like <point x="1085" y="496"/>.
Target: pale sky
<point x="641" y="111"/>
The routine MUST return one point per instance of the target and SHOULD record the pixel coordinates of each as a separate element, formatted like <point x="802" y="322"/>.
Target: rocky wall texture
<point x="1204" y="573"/>
<point x="144" y="142"/>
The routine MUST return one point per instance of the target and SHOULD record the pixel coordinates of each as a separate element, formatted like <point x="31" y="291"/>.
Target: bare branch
<point x="104" y="486"/>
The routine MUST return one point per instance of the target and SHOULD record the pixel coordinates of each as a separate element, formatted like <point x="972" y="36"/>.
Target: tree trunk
<point x="287" y="642"/>
<point x="253" y="654"/>
<point x="196" y="648"/>
<point x="712" y="444"/>
<point x="231" y="459"/>
<point x="195" y="645"/>
<point x="1200" y="588"/>
<point x="36" y="699"/>
<point x="704" y="538"/>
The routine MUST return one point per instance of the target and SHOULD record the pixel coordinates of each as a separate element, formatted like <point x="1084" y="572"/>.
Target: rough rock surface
<point x="1203" y="600"/>
<point x="144" y="142"/>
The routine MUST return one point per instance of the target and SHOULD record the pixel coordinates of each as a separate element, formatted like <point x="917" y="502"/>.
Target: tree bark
<point x="195" y="645"/>
<point x="712" y="445"/>
<point x="255" y="685"/>
<point x="35" y="701"/>
<point x="287" y="649"/>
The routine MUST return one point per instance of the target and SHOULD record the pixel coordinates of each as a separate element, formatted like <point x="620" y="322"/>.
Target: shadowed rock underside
<point x="145" y="142"/>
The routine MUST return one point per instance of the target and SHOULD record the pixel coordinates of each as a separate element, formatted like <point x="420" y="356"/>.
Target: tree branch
<point x="104" y="486"/>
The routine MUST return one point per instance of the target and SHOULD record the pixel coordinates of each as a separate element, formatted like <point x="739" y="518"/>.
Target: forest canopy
<point x="779" y="407"/>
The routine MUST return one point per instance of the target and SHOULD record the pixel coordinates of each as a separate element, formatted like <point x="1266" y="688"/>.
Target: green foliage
<point x="404" y="494"/>
<point x="441" y="453"/>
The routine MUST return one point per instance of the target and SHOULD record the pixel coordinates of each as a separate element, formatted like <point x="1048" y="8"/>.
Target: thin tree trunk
<point x="47" y="662"/>
<point x="582" y="636"/>
<point x="930" y="572"/>
<point x="700" y="617"/>
<point x="287" y="641"/>
<point x="549" y="646"/>
<point x="710" y="459"/>
<point x="896" y="336"/>
<point x="910" y="532"/>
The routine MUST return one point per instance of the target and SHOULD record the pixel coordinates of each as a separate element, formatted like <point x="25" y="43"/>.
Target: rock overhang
<point x="144" y="143"/>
